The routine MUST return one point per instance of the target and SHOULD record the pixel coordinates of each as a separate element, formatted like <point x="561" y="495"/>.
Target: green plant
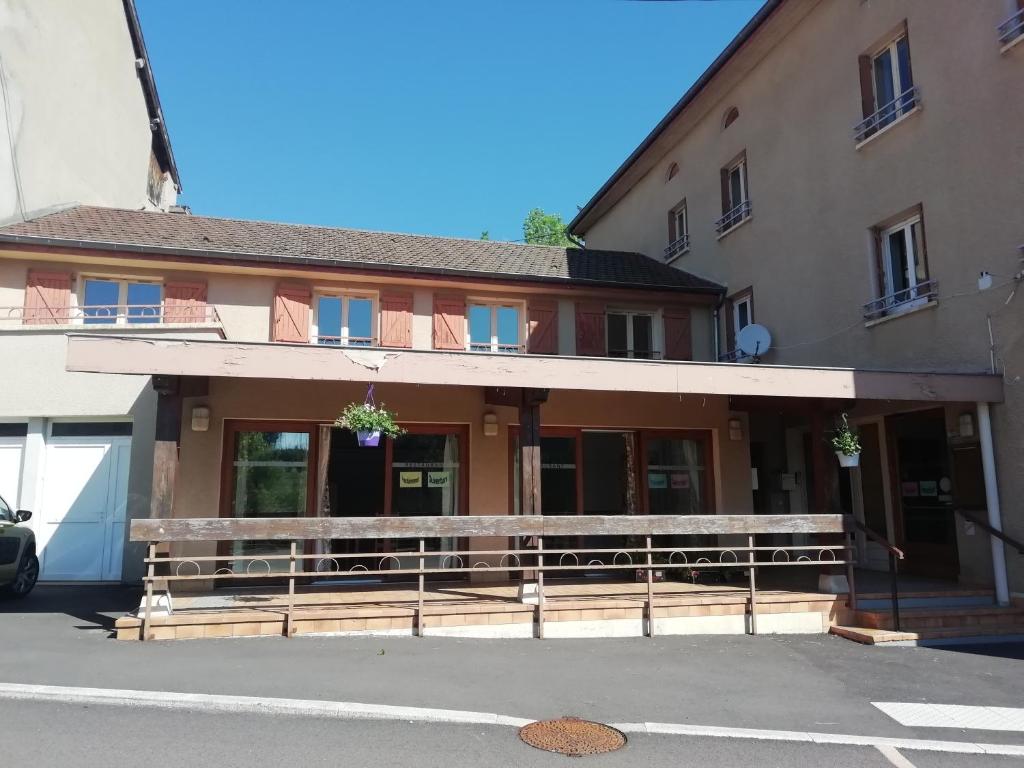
<point x="845" y="440"/>
<point x="367" y="417"/>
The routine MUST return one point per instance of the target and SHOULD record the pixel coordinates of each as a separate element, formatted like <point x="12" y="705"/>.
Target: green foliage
<point x="541" y="228"/>
<point x="485" y="235"/>
<point x="845" y="440"/>
<point x="366" y="417"/>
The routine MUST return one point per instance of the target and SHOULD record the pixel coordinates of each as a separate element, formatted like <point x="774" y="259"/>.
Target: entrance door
<point x="80" y="536"/>
<point x="923" y="486"/>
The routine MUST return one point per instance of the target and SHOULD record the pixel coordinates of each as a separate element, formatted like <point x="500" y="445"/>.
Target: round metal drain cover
<point x="572" y="736"/>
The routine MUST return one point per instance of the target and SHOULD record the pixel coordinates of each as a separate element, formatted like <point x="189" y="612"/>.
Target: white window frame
<point x="657" y="331"/>
<point x="741" y="166"/>
<point x="121" y="308"/>
<point x="493" y="346"/>
<point x="907" y="227"/>
<point x="345" y="296"/>
<point x="744" y="300"/>
<point x="894" y="67"/>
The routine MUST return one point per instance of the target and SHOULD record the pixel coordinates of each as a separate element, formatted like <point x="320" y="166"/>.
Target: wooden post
<point x="289" y="629"/>
<point x="540" y="587"/>
<point x="849" y="571"/>
<point x="530" y="502"/>
<point x="650" y="589"/>
<point x="419" y="595"/>
<point x="151" y="556"/>
<point x="753" y="587"/>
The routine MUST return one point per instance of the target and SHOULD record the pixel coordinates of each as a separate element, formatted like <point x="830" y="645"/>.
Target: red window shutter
<point x="678" y="336"/>
<point x="291" y="313"/>
<point x="396" y="320"/>
<point x="590" y="327"/>
<point x="47" y="298"/>
<point x="542" y="338"/>
<point x="449" y="322"/>
<point x="184" y="302"/>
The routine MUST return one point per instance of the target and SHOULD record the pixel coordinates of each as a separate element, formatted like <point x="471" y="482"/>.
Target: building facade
<point x="845" y="169"/>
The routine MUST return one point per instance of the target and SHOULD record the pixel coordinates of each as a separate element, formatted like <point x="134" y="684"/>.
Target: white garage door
<point x="80" y="533"/>
<point x="12" y="453"/>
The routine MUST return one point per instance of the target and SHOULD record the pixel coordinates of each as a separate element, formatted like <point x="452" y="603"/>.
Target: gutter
<point x="194" y="253"/>
<point x="745" y="34"/>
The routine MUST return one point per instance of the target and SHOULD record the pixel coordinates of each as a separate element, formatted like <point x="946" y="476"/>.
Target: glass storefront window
<point x="676" y="476"/>
<point x="425" y="481"/>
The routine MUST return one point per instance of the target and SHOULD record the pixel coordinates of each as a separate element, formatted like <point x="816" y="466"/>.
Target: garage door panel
<point x="77" y="483"/>
<point x="12" y="453"/>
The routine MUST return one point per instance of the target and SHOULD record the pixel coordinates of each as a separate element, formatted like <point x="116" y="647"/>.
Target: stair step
<point x="934" y="618"/>
<point x="911" y="601"/>
<point x="874" y="636"/>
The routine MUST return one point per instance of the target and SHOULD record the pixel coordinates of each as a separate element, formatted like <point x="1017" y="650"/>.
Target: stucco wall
<point x="74" y="111"/>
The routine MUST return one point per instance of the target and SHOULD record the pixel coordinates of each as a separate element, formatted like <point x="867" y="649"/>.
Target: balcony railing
<point x="109" y="314"/>
<point x="900" y="301"/>
<point x="346" y="341"/>
<point x="887" y="113"/>
<point x="501" y="349"/>
<point x="1012" y="28"/>
<point x="733" y="217"/>
<point x="677" y="247"/>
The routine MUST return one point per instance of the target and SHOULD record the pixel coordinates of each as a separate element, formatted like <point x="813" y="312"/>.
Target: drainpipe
<point x="988" y="464"/>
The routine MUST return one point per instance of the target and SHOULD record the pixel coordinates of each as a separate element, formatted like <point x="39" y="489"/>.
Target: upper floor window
<point x="735" y="195"/>
<point x="1012" y="29"/>
<point x="631" y="334"/>
<point x="344" y="320"/>
<point x="108" y="302"/>
<point x="673" y="171"/>
<point x="902" y="269"/>
<point x="730" y="117"/>
<point x="887" y="87"/>
<point x="678" y="232"/>
<point x="495" y="327"/>
<point x="742" y="312"/>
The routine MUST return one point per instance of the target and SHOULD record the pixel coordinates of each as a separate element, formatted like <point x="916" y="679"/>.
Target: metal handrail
<point x="887" y="113"/>
<point x="986" y="526"/>
<point x="1012" y="28"/>
<point x="677" y="247"/>
<point x="733" y="217"/>
<point x="925" y="291"/>
<point x="110" y="314"/>
<point x="895" y="554"/>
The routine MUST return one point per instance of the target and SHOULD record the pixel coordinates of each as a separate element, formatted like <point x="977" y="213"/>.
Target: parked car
<point x="19" y="566"/>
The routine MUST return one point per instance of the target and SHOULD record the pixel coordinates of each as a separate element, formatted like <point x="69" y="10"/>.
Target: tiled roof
<point x="202" y="236"/>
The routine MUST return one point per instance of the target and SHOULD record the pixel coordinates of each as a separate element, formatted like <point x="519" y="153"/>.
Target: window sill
<point x="905" y="116"/>
<point x="910" y="309"/>
<point x="735" y="226"/>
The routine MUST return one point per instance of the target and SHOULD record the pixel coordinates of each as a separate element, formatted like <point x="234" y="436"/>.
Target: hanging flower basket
<point x="369" y="421"/>
<point x="846" y="444"/>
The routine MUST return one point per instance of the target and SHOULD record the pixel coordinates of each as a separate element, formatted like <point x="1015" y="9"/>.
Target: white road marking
<point x="953" y="716"/>
<point x="893" y="756"/>
<point x="346" y="710"/>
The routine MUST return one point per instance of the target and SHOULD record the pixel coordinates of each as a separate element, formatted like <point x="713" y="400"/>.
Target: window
<point x="6" y="514"/>
<point x="673" y="170"/>
<point x="735" y="196"/>
<point x="730" y="117"/>
<point x="495" y="327"/>
<point x="344" y="320"/>
<point x="902" y="269"/>
<point x="1012" y="29"/>
<point x="631" y="334"/>
<point x="887" y="87"/>
<point x="678" y="232"/>
<point x="91" y="429"/>
<point x="742" y="312"/>
<point x="109" y="302"/>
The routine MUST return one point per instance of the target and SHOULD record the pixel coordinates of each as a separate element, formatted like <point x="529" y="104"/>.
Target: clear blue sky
<point x="445" y="117"/>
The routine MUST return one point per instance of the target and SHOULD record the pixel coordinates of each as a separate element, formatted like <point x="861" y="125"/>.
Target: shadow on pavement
<point x="96" y="606"/>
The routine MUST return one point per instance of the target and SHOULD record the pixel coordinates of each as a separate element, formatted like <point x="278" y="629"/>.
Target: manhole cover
<point x="572" y="736"/>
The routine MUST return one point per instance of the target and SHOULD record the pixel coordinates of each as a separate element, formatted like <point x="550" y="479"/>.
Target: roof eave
<point x="744" y="34"/>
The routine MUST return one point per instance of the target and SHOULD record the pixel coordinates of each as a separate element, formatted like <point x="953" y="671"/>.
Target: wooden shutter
<point x="867" y="86"/>
<point x="449" y="322"/>
<point x="542" y="338"/>
<point x="47" y="298"/>
<point x="184" y="302"/>
<point x="291" y="313"/>
<point x="672" y="234"/>
<point x="590" y="330"/>
<point x="725" y="191"/>
<point x="396" y="320"/>
<point x="678" y="336"/>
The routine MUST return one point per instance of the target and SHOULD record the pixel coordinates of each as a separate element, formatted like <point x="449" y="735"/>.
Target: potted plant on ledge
<point x="369" y="421"/>
<point x="846" y="445"/>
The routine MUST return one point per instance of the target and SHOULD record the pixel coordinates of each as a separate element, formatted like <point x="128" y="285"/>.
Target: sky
<point x="447" y="117"/>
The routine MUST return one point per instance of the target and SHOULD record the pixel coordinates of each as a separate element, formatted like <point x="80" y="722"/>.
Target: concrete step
<point x="942" y="618"/>
<point x="908" y="601"/>
<point x="873" y="636"/>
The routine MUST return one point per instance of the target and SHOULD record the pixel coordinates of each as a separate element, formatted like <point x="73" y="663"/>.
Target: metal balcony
<point x="109" y="314"/>
<point x="887" y="114"/>
<point x="901" y="301"/>
<point x="733" y="217"/>
<point x="1012" y="28"/>
<point x="677" y="247"/>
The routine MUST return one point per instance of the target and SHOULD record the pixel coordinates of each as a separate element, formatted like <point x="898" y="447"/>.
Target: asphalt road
<point x="822" y="684"/>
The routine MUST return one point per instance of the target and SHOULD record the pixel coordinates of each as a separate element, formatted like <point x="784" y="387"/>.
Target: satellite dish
<point x="752" y="341"/>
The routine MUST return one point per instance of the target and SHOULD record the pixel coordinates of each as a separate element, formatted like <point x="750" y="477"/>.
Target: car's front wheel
<point x="26" y="577"/>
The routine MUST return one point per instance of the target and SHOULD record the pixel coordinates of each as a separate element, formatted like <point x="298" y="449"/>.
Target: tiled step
<point x="942" y="618"/>
<point x="908" y="601"/>
<point x="872" y="636"/>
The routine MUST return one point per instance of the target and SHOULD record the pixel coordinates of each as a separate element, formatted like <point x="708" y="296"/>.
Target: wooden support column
<point x="165" y="445"/>
<point x="831" y="578"/>
<point x="530" y="502"/>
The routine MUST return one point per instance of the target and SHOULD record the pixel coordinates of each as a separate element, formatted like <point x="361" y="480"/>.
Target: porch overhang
<point x="307" y="362"/>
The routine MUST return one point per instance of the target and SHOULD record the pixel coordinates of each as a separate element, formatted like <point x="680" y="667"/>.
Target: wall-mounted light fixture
<point x="490" y="424"/>
<point x="735" y="429"/>
<point x="200" y="418"/>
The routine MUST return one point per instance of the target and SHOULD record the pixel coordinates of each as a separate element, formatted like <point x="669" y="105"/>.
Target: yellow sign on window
<point x="410" y="479"/>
